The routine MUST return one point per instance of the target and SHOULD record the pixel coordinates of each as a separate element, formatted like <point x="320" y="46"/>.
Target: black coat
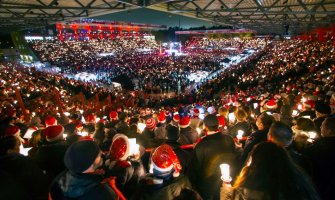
<point x="80" y="187"/>
<point x="183" y="156"/>
<point x="188" y="136"/>
<point x="128" y="174"/>
<point x="50" y="157"/>
<point x="243" y="126"/>
<point x="208" y="154"/>
<point x="167" y="190"/>
<point x="322" y="157"/>
<point x="255" y="138"/>
<point x="29" y="176"/>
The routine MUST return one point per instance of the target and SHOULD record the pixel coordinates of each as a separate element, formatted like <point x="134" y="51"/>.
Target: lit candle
<point x="83" y="133"/>
<point x="312" y="135"/>
<point x="133" y="147"/>
<point x="141" y="126"/>
<point x="239" y="134"/>
<point x="255" y="105"/>
<point x="225" y="172"/>
<point x="295" y="112"/>
<point x="231" y="117"/>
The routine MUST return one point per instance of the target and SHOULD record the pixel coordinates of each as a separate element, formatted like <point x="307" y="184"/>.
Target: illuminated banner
<point x="218" y="31"/>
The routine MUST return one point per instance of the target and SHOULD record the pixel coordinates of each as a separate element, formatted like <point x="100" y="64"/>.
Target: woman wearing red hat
<point x="124" y="165"/>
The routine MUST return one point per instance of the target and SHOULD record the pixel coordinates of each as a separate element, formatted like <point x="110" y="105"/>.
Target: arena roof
<point x="260" y="15"/>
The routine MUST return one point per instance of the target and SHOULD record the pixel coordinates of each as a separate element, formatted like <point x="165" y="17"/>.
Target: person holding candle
<point x="124" y="164"/>
<point x="282" y="135"/>
<point x="165" y="180"/>
<point x="261" y="178"/>
<point x="263" y="123"/>
<point x="242" y="124"/>
<point x="208" y="154"/>
<point x="322" y="156"/>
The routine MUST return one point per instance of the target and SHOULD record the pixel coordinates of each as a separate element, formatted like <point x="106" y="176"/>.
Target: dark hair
<point x="266" y="120"/>
<point x="281" y="133"/>
<point x="211" y="122"/>
<point x="278" y="178"/>
<point x="188" y="194"/>
<point x="305" y="124"/>
<point x="7" y="143"/>
<point x="134" y="120"/>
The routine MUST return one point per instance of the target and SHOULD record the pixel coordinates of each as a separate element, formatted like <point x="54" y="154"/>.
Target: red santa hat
<point x="90" y="118"/>
<point x="309" y="104"/>
<point x="271" y="104"/>
<point x="184" y="122"/>
<point x="79" y="126"/>
<point x="113" y="115"/>
<point x="176" y="118"/>
<point x="150" y="123"/>
<point x="162" y="118"/>
<point x="167" y="113"/>
<point x="222" y="121"/>
<point x="196" y="112"/>
<point x="53" y="133"/>
<point x="164" y="159"/>
<point x="120" y="148"/>
<point x="12" y="130"/>
<point x="50" y="121"/>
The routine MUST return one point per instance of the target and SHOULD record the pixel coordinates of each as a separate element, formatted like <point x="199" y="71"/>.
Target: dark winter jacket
<point x="208" y="154"/>
<point x="152" y="188"/>
<point x="255" y="138"/>
<point x="183" y="156"/>
<point x="128" y="174"/>
<point x="243" y="126"/>
<point x="50" y="157"/>
<point x="322" y="157"/>
<point x="69" y="186"/>
<point x="27" y="174"/>
<point x="188" y="136"/>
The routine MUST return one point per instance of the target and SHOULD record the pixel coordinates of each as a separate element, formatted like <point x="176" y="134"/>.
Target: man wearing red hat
<point x="308" y="109"/>
<point x="165" y="180"/>
<point x="187" y="134"/>
<point x="195" y="121"/>
<point x="50" y="155"/>
<point x="160" y="132"/>
<point x="149" y="133"/>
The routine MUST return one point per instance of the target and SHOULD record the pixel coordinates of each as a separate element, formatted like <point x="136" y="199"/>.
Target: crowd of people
<point x="270" y="118"/>
<point x="138" y="59"/>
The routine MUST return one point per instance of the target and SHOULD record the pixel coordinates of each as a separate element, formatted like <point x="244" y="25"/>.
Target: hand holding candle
<point x="225" y="173"/>
<point x="239" y="134"/>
